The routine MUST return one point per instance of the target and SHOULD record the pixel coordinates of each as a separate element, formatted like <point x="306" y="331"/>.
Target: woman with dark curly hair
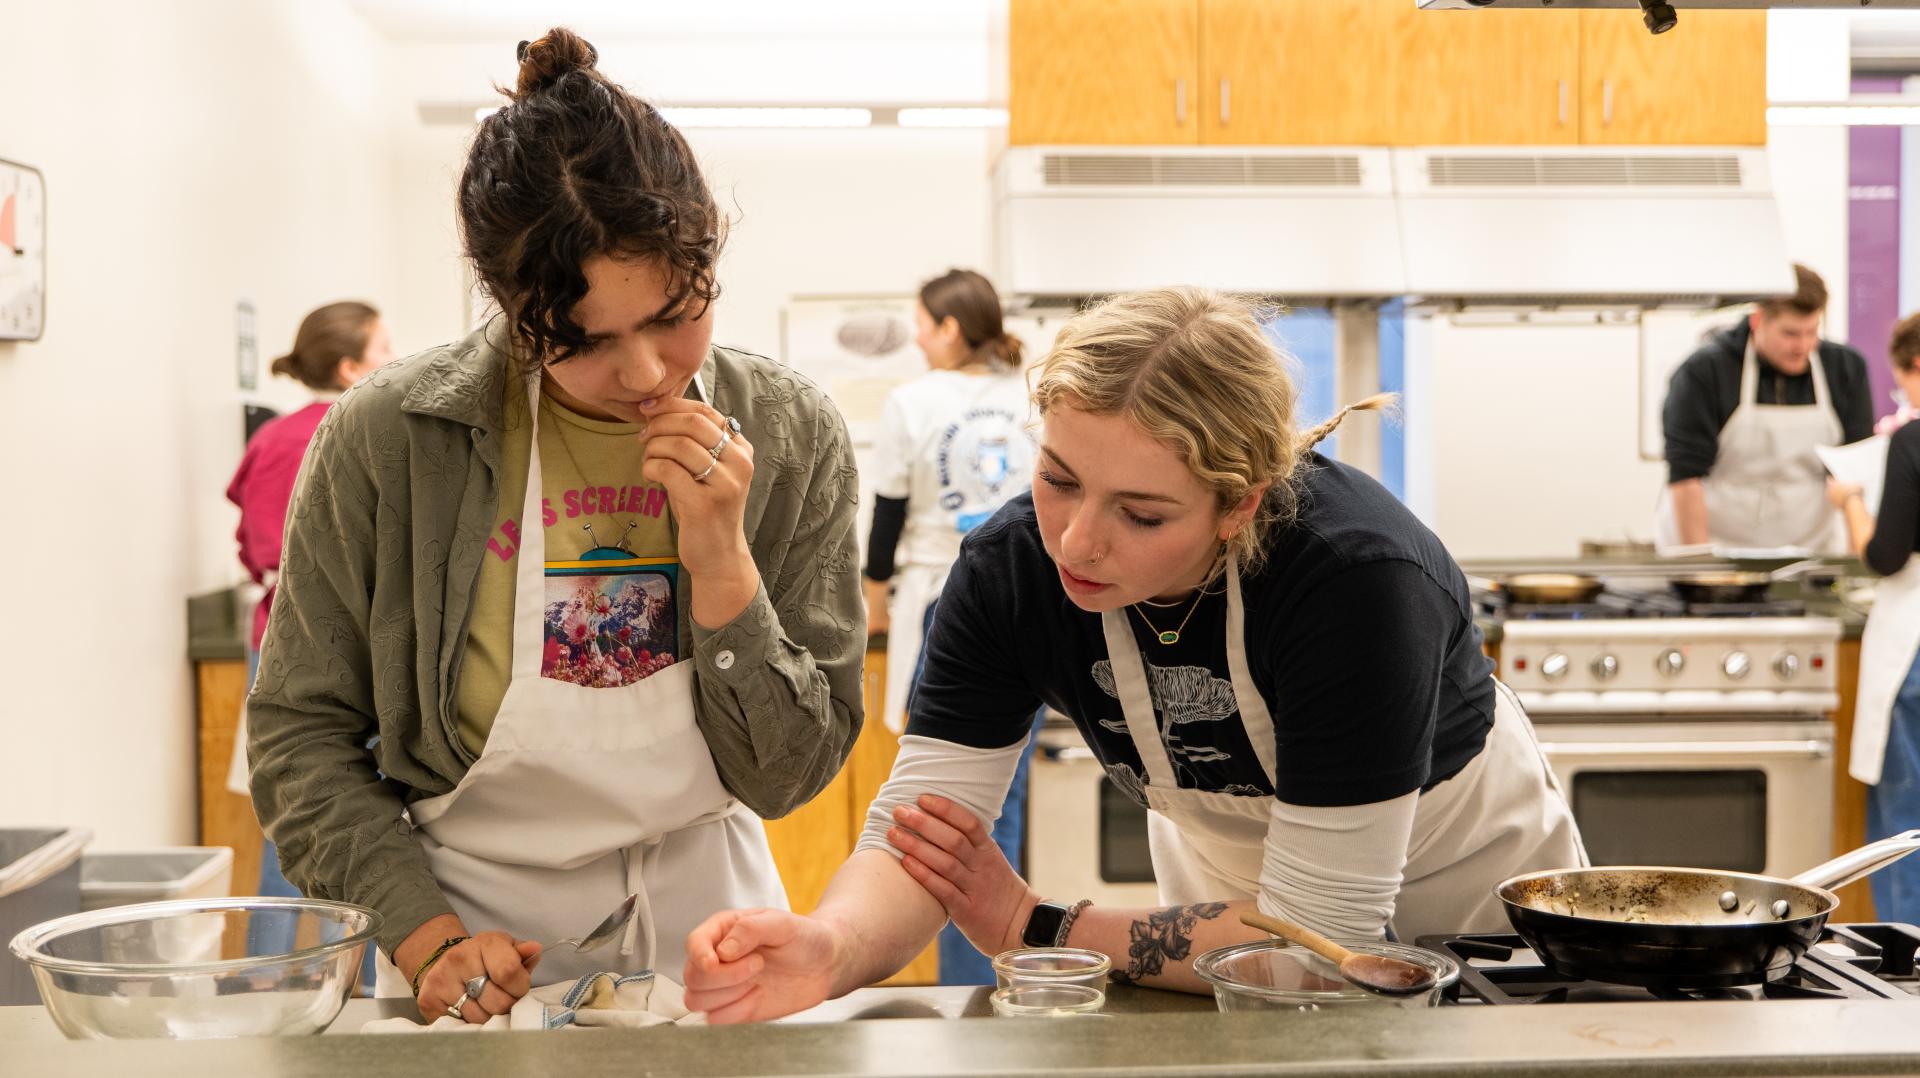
<point x="588" y="577"/>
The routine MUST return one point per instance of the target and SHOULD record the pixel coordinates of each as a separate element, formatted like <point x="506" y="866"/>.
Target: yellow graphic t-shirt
<point x="611" y="618"/>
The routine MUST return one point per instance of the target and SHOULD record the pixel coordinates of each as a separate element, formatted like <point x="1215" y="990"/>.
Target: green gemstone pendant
<point x="1169" y="638"/>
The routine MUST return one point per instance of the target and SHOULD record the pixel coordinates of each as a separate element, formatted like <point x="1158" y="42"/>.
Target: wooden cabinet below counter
<point x="226" y="818"/>
<point x="1849" y="795"/>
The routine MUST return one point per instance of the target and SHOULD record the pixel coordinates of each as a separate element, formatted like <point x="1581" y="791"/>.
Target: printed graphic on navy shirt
<point x="611" y="619"/>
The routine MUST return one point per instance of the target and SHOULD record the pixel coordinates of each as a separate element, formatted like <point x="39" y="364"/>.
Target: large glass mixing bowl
<point x="199" y="968"/>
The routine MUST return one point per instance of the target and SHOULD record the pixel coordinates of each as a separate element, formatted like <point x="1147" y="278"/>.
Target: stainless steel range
<point x="1684" y="738"/>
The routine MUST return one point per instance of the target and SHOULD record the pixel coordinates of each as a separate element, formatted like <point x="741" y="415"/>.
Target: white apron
<point x="1502" y="815"/>
<point x="1767" y="488"/>
<point x="915" y="588"/>
<point x="1887" y="651"/>
<point x="583" y="796"/>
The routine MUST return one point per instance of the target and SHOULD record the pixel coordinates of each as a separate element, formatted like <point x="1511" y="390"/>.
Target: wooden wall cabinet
<point x="1103" y="71"/>
<point x="1702" y="83"/>
<point x="1490" y="78"/>
<point x="1377" y="72"/>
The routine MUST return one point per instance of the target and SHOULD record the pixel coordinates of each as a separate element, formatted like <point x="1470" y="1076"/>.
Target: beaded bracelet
<point x="1073" y="914"/>
<point x="435" y="957"/>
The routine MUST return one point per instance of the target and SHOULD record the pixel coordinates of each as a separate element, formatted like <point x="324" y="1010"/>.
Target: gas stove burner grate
<point x="1628" y="604"/>
<point x="1863" y="961"/>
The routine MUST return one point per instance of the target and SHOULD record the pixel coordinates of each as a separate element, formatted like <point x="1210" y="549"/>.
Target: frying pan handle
<point x="1861" y="863"/>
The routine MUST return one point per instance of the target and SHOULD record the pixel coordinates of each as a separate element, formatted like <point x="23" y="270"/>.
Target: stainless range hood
<point x="1536" y="226"/>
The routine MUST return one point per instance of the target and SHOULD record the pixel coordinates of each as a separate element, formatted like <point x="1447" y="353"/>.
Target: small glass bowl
<point x="1034" y="1000"/>
<point x="1274" y="975"/>
<point x="1052" y="965"/>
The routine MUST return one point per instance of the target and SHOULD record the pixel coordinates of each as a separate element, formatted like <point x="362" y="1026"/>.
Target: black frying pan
<point x="1736" y="587"/>
<point x="1722" y="587"/>
<point x="1682" y="928"/>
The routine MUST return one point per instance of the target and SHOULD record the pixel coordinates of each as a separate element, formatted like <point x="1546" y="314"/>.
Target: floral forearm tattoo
<point x="1165" y="936"/>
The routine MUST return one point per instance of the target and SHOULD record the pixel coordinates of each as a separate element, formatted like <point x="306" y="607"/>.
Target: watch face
<point x="1043" y="926"/>
<point x="23" y="252"/>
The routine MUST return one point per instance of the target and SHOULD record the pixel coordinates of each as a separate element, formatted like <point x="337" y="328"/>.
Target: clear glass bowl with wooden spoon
<point x="1279" y="975"/>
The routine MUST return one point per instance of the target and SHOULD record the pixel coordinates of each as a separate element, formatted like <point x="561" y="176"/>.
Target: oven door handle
<point x="1810" y="749"/>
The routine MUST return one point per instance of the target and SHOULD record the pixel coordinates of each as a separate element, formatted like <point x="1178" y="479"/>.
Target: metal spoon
<point x="603" y="933"/>
<point x="1373" y="972"/>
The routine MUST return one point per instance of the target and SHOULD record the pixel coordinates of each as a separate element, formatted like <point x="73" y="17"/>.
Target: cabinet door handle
<point x="1180" y="101"/>
<point x="1606" y="102"/>
<point x="1563" y="102"/>
<point x="1226" y="101"/>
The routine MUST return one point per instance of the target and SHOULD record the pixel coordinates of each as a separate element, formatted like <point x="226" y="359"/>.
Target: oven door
<point x="1085" y="839"/>
<point x="1731" y="795"/>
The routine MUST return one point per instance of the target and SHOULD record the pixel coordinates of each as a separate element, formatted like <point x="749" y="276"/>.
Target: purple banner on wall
<point x="1873" y="241"/>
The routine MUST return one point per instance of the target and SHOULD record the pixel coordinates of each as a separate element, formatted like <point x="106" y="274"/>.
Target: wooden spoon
<point x="1373" y="972"/>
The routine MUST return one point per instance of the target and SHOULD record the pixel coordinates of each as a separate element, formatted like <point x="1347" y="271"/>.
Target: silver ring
<point x="453" y="1009"/>
<point x="720" y="446"/>
<point x="702" y="477"/>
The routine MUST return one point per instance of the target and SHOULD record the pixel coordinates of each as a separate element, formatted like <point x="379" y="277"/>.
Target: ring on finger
<point x="720" y="446"/>
<point x="702" y="477"/>
<point x="453" y="1009"/>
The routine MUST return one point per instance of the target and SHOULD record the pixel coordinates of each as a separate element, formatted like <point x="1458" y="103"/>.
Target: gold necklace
<point x="1173" y="636"/>
<point x="560" y="430"/>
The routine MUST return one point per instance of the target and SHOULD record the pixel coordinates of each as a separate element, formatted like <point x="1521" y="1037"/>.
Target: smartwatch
<point x="1044" y="925"/>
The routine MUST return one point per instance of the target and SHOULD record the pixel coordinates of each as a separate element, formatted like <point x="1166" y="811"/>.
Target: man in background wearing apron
<point x="1743" y="416"/>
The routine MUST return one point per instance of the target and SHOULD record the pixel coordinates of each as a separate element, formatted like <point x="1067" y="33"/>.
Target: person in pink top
<point x="336" y="346"/>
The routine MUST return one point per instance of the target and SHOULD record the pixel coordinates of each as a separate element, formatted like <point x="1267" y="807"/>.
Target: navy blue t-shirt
<point x="1360" y="637"/>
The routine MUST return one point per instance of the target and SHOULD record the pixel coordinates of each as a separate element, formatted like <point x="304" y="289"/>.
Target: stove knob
<point x="1736" y="665"/>
<point x="1787" y="666"/>
<point x="1555" y="666"/>
<point x="1670" y="662"/>
<point x="1605" y="667"/>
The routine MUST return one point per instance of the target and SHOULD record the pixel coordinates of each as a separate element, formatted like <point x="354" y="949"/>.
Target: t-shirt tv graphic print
<point x="611" y="619"/>
<point x="609" y="608"/>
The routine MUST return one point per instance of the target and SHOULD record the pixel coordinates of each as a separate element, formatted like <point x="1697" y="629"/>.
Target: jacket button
<point x="724" y="660"/>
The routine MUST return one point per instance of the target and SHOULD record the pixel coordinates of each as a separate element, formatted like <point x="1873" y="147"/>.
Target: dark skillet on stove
<point x="1729" y="587"/>
<point x="1673" y="928"/>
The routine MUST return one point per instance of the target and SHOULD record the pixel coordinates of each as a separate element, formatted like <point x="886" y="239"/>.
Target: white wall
<point x="194" y="154"/>
<point x="1808" y="59"/>
<point x="1528" y="438"/>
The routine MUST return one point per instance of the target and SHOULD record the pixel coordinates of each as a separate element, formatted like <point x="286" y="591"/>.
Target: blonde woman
<point x="1261" y="645"/>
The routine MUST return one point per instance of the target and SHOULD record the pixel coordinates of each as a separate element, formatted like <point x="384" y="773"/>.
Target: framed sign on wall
<point x="23" y="252"/>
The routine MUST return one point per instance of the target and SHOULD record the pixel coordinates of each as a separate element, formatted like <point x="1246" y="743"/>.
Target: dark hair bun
<point x="546" y="61"/>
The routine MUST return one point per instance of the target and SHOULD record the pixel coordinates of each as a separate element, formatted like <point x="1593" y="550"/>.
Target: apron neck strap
<point x="530" y="564"/>
<point x="1137" y="702"/>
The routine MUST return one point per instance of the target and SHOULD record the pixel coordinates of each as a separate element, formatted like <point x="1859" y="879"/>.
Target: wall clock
<point x="23" y="252"/>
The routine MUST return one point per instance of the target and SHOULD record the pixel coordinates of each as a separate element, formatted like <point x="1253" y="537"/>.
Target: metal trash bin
<point x="39" y="880"/>
<point x="124" y="877"/>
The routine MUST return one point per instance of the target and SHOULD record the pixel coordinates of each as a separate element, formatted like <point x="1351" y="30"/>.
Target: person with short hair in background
<point x="1742" y="419"/>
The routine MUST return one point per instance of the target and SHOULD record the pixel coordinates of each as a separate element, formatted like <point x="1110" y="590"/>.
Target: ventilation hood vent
<point x="1452" y="170"/>
<point x="1193" y="170"/>
<point x="1079" y="221"/>
<point x="1547" y="225"/>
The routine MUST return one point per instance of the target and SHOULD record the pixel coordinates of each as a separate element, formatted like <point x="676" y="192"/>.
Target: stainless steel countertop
<point x="1778" y="1037"/>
